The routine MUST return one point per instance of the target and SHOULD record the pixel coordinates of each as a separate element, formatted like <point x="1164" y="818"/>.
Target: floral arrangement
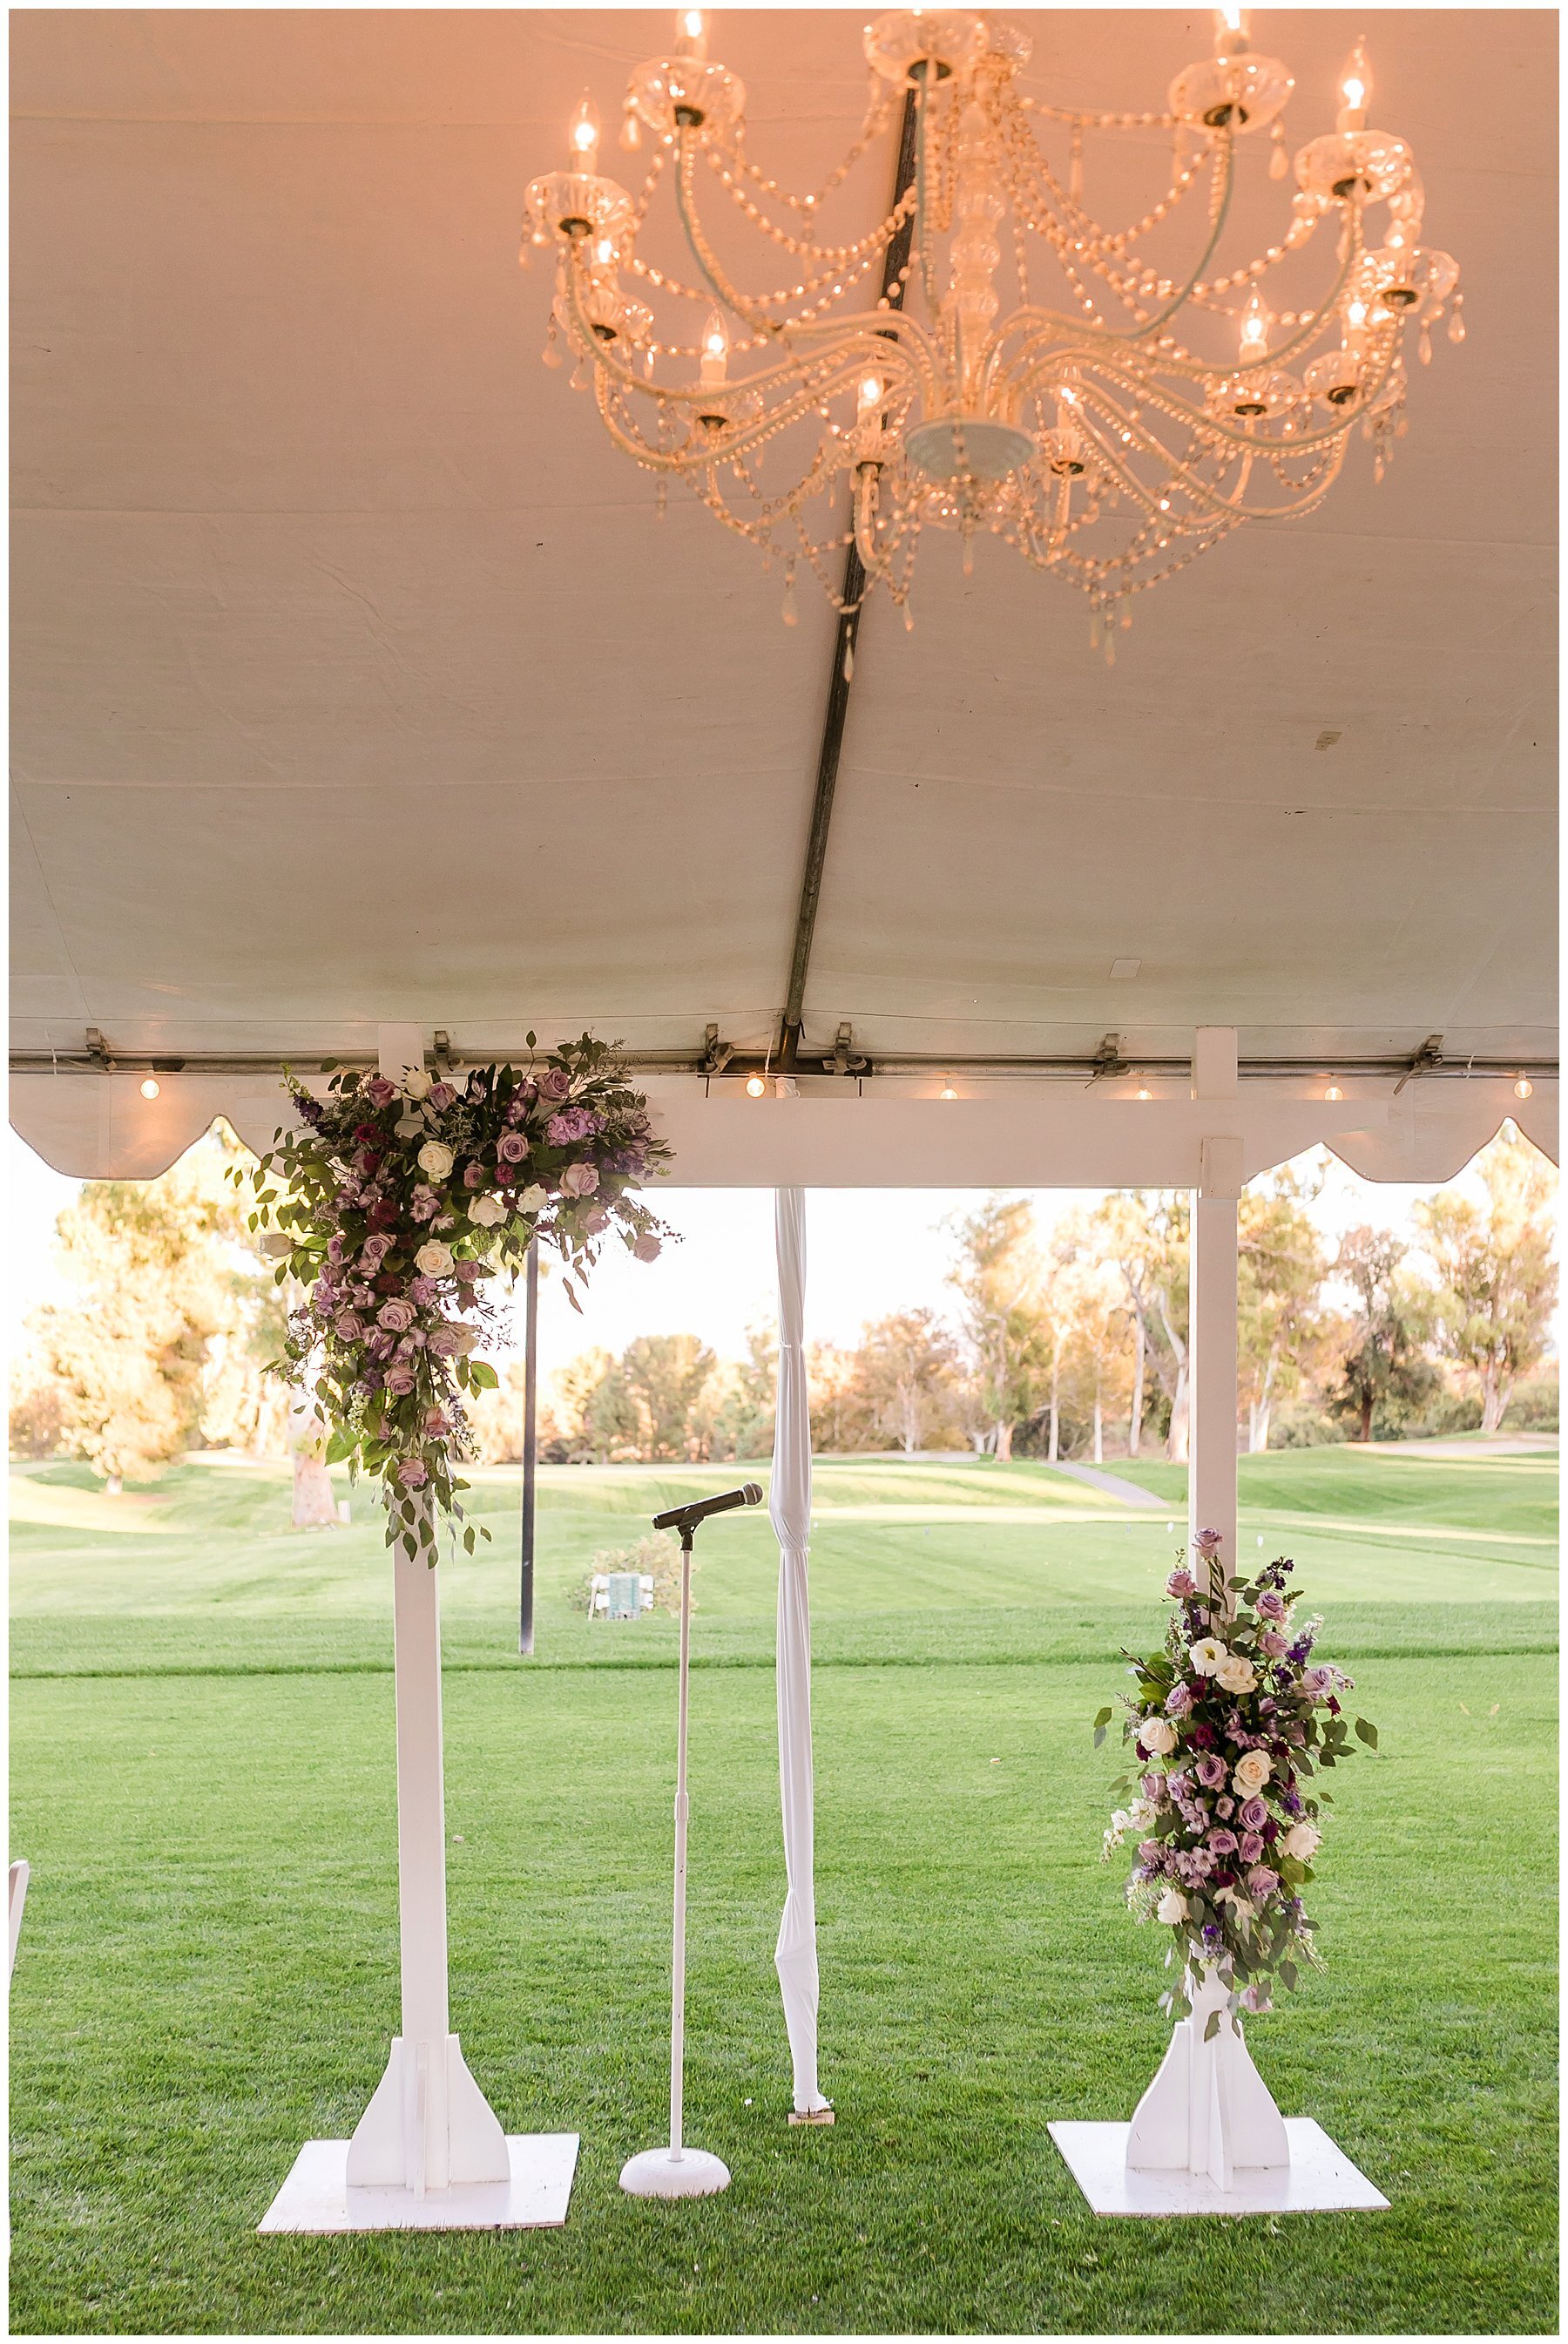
<point x="397" y="1204"/>
<point x="1230" y="1726"/>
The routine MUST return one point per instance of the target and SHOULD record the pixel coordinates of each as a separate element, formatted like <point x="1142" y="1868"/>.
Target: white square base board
<point x="317" y="2197"/>
<point x="1319" y="2178"/>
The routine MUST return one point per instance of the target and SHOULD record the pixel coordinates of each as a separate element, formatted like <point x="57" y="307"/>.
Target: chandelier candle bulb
<point x="1355" y="89"/>
<point x="584" y="136"/>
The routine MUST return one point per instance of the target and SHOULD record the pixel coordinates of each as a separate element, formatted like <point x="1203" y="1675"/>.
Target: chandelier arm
<point x="1195" y="487"/>
<point x="876" y="325"/>
<point x="837" y="255"/>
<point x="875" y="563"/>
<point x="747" y="437"/>
<point x="1227" y="147"/>
<point x="878" y="114"/>
<point x="718" y="285"/>
<point x="1204" y="425"/>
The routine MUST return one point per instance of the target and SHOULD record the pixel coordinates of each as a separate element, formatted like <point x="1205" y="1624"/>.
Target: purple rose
<point x="446" y="1342"/>
<point x="380" y="1091"/>
<point x="381" y="1343"/>
<point x="396" y="1315"/>
<point x="578" y="1180"/>
<point x="1261" y="1883"/>
<point x="1252" y="1845"/>
<point x="554" y="1083"/>
<point x="442" y="1095"/>
<point x="1270" y="1606"/>
<point x="1207" y="1543"/>
<point x="1179" y="1701"/>
<point x="646" y="1246"/>
<point x="473" y="1176"/>
<point x="348" y="1329"/>
<point x="1270" y="1643"/>
<point x="1255" y="1998"/>
<point x="411" y="1473"/>
<point x="399" y="1382"/>
<point x="511" y="1148"/>
<point x="1210" y="1770"/>
<point x="1222" y="1842"/>
<point x="595" y="1222"/>
<point x="1254" y="1813"/>
<point x="1181" y="1585"/>
<point x="335" y="1251"/>
<point x="424" y="1291"/>
<point x="375" y="1250"/>
<point x="464" y="1272"/>
<point x="363" y="1297"/>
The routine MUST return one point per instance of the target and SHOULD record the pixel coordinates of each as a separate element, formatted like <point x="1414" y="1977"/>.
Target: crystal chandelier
<point x="1110" y="433"/>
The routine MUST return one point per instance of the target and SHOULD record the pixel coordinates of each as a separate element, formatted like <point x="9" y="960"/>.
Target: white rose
<point x="435" y="1158"/>
<point x="434" y="1259"/>
<point x="1236" y="1673"/>
<point x="1253" y="1771"/>
<point x="417" y="1084"/>
<point x="489" y="1211"/>
<point x="533" y="1200"/>
<point x="1172" y="1907"/>
<point x="1209" y="1656"/>
<point x="1158" y="1736"/>
<point x="1302" y="1840"/>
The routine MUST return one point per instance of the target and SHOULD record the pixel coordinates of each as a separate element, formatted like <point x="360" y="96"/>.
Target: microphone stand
<point x="677" y="2171"/>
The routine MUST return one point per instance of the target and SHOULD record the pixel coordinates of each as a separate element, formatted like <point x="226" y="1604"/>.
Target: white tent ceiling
<point x="354" y="678"/>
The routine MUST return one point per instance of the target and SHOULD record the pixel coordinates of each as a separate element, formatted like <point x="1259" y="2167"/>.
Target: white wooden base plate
<point x="655" y="2173"/>
<point x="811" y="2116"/>
<point x="317" y="2198"/>
<point x="1320" y="2177"/>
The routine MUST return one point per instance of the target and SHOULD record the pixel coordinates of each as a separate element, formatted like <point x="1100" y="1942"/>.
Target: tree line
<point x="1068" y="1342"/>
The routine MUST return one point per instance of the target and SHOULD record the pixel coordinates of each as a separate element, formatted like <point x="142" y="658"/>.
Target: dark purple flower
<point x="1204" y="1736"/>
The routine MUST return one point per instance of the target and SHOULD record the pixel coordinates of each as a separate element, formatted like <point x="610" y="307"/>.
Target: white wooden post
<point x="1211" y="1322"/>
<point x="428" y="2153"/>
<point x="1208" y="2110"/>
<point x="428" y="2124"/>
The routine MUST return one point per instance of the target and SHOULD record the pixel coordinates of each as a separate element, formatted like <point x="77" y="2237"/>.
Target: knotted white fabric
<point x="789" y="1506"/>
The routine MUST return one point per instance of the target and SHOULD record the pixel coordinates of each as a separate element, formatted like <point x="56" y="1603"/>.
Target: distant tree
<point x="166" y="1272"/>
<point x="997" y="1274"/>
<point x="1384" y="1364"/>
<point x="1098" y="1324"/>
<point x="1497" y="1282"/>
<point x="907" y="1368"/>
<point x="1281" y="1270"/>
<point x="738" y="1420"/>
<point x="841" y="1420"/>
<point x="664" y="1376"/>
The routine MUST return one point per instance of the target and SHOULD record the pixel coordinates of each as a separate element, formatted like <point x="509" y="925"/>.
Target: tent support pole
<point x="844" y="639"/>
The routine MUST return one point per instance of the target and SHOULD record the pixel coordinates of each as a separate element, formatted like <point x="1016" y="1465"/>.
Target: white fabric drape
<point x="789" y="1506"/>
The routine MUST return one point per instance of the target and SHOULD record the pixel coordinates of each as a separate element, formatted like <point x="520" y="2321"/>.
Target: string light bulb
<point x="755" y="1085"/>
<point x="947" y="1090"/>
<point x="1523" y="1087"/>
<point x="1144" y="1092"/>
<point x="149" y="1089"/>
<point x="1334" y="1091"/>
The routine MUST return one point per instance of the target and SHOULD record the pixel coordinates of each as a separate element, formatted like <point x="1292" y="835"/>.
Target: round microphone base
<point x="659" y="2173"/>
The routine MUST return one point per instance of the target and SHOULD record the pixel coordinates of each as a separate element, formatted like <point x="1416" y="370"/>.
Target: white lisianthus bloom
<point x="1142" y="1814"/>
<point x="1209" y="1656"/>
<point x="488" y="1211"/>
<point x="417" y="1084"/>
<point x="1302" y="1842"/>
<point x="434" y="1259"/>
<point x="1252" y="1770"/>
<point x="533" y="1200"/>
<point x="1172" y="1907"/>
<point x="1120" y="1819"/>
<point x="1158" y="1736"/>
<point x="1236" y="1673"/>
<point x="435" y="1158"/>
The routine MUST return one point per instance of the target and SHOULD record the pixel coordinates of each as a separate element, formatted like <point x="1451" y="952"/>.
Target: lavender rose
<point x="646" y="1246"/>
<point x="395" y="1316"/>
<point x="554" y="1083"/>
<point x="511" y="1148"/>
<point x="399" y="1382"/>
<point x="348" y="1329"/>
<point x="380" y="1091"/>
<point x="1180" y="1585"/>
<point x="1210" y="1770"/>
<point x="578" y="1180"/>
<point x="1254" y="1813"/>
<point x="411" y="1473"/>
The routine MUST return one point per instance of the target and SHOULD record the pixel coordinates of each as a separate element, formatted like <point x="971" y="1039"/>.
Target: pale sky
<point x="870" y="1251"/>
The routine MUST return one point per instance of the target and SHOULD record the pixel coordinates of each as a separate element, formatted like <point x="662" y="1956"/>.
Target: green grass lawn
<point x="202" y="1778"/>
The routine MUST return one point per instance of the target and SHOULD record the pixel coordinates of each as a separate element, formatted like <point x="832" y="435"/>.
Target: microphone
<point x="685" y="1519"/>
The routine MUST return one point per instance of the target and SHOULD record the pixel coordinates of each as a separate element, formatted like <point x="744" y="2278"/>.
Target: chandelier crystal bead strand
<point x="1111" y="438"/>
